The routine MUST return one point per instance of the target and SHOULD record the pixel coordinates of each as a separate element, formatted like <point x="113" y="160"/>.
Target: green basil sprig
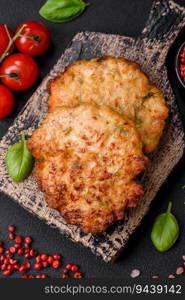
<point x="60" y="11"/>
<point x="19" y="160"/>
<point x="165" y="230"/>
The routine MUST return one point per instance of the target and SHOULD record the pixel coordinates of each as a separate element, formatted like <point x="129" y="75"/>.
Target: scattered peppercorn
<point x="56" y="264"/>
<point x="27" y="256"/>
<point x="65" y="271"/>
<point x="12" y="249"/>
<point x="57" y="256"/>
<point x="33" y="253"/>
<point x="7" y="272"/>
<point x="68" y="267"/>
<point x="20" y="251"/>
<point x="38" y="259"/>
<point x="22" y="269"/>
<point x="38" y="266"/>
<point x="18" y="239"/>
<point x="11" y="236"/>
<point x="8" y="263"/>
<point x="78" y="275"/>
<point x="27" y="245"/>
<point x="65" y="276"/>
<point x="44" y="257"/>
<point x="74" y="268"/>
<point x="1" y="250"/>
<point x="45" y="264"/>
<point x="50" y="259"/>
<point x="11" y="228"/>
<point x="28" y="240"/>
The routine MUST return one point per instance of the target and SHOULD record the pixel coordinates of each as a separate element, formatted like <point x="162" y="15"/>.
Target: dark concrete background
<point x="124" y="17"/>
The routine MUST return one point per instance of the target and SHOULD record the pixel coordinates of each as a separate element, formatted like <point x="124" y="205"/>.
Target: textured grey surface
<point x="150" y="51"/>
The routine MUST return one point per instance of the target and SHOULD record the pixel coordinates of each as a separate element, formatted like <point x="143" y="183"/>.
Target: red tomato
<point x="6" y="101"/>
<point x="36" y="39"/>
<point x="5" y="36"/>
<point x="19" y="71"/>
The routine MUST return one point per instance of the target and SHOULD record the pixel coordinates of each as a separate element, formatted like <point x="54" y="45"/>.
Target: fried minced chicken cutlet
<point x="87" y="158"/>
<point x="118" y="83"/>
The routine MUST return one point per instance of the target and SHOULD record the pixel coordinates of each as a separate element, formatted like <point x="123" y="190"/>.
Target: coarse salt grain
<point x="171" y="276"/>
<point x="135" y="273"/>
<point x="155" y="276"/>
<point x="183" y="257"/>
<point x="180" y="270"/>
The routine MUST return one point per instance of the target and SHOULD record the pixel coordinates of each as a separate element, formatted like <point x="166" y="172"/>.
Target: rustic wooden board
<point x="149" y="50"/>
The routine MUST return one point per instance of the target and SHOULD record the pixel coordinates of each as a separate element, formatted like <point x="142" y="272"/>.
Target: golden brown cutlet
<point x="88" y="157"/>
<point x="118" y="83"/>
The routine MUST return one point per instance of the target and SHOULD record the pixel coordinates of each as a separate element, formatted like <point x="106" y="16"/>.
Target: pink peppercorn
<point x="13" y="249"/>
<point x="45" y="264"/>
<point x="28" y="239"/>
<point x="74" y="268"/>
<point x="44" y="257"/>
<point x="38" y="266"/>
<point x="56" y="256"/>
<point x="1" y="250"/>
<point x="38" y="259"/>
<point x="7" y="272"/>
<point x="22" y="269"/>
<point x="11" y="228"/>
<point x="3" y="267"/>
<point x="11" y="236"/>
<point x="78" y="275"/>
<point x="65" y="275"/>
<point x="56" y="264"/>
<point x="27" y="265"/>
<point x="18" y="239"/>
<point x="20" y="251"/>
<point x="68" y="267"/>
<point x="50" y="259"/>
<point x="33" y="252"/>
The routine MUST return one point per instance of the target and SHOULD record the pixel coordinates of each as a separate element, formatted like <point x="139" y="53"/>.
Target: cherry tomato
<point x="19" y="71"/>
<point x="5" y="35"/>
<point x="35" y="40"/>
<point x="6" y="101"/>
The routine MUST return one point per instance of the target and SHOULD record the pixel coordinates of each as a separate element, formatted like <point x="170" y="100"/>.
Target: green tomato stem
<point x="169" y="207"/>
<point x="11" y="75"/>
<point x="33" y="38"/>
<point x="12" y="40"/>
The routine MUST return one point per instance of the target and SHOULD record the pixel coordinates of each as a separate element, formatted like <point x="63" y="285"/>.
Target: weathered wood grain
<point x="149" y="50"/>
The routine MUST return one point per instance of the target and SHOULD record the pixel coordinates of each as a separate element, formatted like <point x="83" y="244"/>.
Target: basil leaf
<point x="165" y="230"/>
<point x="19" y="160"/>
<point x="59" y="11"/>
